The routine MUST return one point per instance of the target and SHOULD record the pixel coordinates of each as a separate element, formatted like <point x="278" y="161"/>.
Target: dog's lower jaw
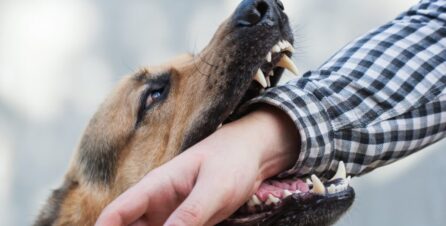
<point x="322" y="213"/>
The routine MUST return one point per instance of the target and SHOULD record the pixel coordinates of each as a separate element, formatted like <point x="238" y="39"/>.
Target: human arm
<point x="379" y="99"/>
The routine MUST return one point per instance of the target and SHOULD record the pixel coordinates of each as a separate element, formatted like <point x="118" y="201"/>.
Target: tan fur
<point x="115" y="119"/>
<point x="115" y="153"/>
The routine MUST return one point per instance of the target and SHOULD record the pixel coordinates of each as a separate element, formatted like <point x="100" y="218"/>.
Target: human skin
<point x="211" y="180"/>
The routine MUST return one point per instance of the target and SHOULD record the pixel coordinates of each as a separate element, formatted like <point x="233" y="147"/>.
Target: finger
<point x="135" y="202"/>
<point x="207" y="198"/>
<point x="127" y="208"/>
<point x="143" y="221"/>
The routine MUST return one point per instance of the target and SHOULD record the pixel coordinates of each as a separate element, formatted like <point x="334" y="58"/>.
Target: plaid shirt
<point x="379" y="99"/>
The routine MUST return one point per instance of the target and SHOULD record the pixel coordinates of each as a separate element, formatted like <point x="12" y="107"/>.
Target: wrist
<point x="272" y="136"/>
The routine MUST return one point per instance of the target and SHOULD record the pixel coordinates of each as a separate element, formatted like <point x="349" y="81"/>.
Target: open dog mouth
<point x="275" y="61"/>
<point x="294" y="201"/>
<point x="269" y="73"/>
<point x="267" y="45"/>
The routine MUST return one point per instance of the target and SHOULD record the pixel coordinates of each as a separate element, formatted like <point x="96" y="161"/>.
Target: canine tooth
<point x="260" y="77"/>
<point x="287" y="63"/>
<point x="272" y="199"/>
<point x="340" y="173"/>
<point x="255" y="200"/>
<point x="318" y="187"/>
<point x="269" y="57"/>
<point x="286" y="193"/>
<point x="251" y="203"/>
<point x="276" y="49"/>
<point x="268" y="81"/>
<point x="297" y="192"/>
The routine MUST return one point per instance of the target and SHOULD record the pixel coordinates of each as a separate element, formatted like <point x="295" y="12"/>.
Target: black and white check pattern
<point x="379" y="99"/>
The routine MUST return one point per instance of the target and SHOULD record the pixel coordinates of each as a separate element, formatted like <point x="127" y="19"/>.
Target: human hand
<point x="211" y="180"/>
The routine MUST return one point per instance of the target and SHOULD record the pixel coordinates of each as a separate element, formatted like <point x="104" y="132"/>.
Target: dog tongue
<point x="276" y="188"/>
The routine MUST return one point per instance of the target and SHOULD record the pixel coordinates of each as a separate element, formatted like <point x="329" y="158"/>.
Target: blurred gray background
<point x="59" y="58"/>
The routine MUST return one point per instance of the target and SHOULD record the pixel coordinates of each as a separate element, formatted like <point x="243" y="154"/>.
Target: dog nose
<point x="251" y="12"/>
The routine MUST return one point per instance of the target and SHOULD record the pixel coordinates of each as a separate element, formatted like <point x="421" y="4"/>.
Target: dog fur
<point x="117" y="150"/>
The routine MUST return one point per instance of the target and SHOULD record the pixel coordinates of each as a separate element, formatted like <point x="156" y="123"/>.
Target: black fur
<point x="244" y="51"/>
<point x="99" y="151"/>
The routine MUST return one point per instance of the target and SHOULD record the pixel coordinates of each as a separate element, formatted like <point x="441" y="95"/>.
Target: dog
<point x="158" y="112"/>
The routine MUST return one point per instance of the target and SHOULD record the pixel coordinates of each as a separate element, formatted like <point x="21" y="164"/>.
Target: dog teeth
<point x="288" y="46"/>
<point x="286" y="193"/>
<point x="287" y="63"/>
<point x="269" y="57"/>
<point x="276" y="49"/>
<point x="337" y="188"/>
<point x="331" y="189"/>
<point x="318" y="186"/>
<point x="308" y="181"/>
<point x="260" y="77"/>
<point x="340" y="173"/>
<point x="271" y="200"/>
<point x="255" y="200"/>
<point x="281" y="45"/>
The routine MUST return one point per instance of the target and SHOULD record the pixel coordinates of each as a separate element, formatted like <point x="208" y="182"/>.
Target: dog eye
<point x="154" y="97"/>
<point x="156" y="90"/>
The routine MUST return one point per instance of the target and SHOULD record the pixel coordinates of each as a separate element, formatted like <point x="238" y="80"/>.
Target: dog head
<point x="158" y="112"/>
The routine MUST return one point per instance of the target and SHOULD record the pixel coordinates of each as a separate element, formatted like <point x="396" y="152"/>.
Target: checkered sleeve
<point x="379" y="99"/>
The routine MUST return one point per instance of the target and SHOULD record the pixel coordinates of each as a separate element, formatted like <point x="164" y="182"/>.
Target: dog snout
<point x="252" y="12"/>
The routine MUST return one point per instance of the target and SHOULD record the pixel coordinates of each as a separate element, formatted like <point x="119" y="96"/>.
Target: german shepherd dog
<point x="158" y="112"/>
